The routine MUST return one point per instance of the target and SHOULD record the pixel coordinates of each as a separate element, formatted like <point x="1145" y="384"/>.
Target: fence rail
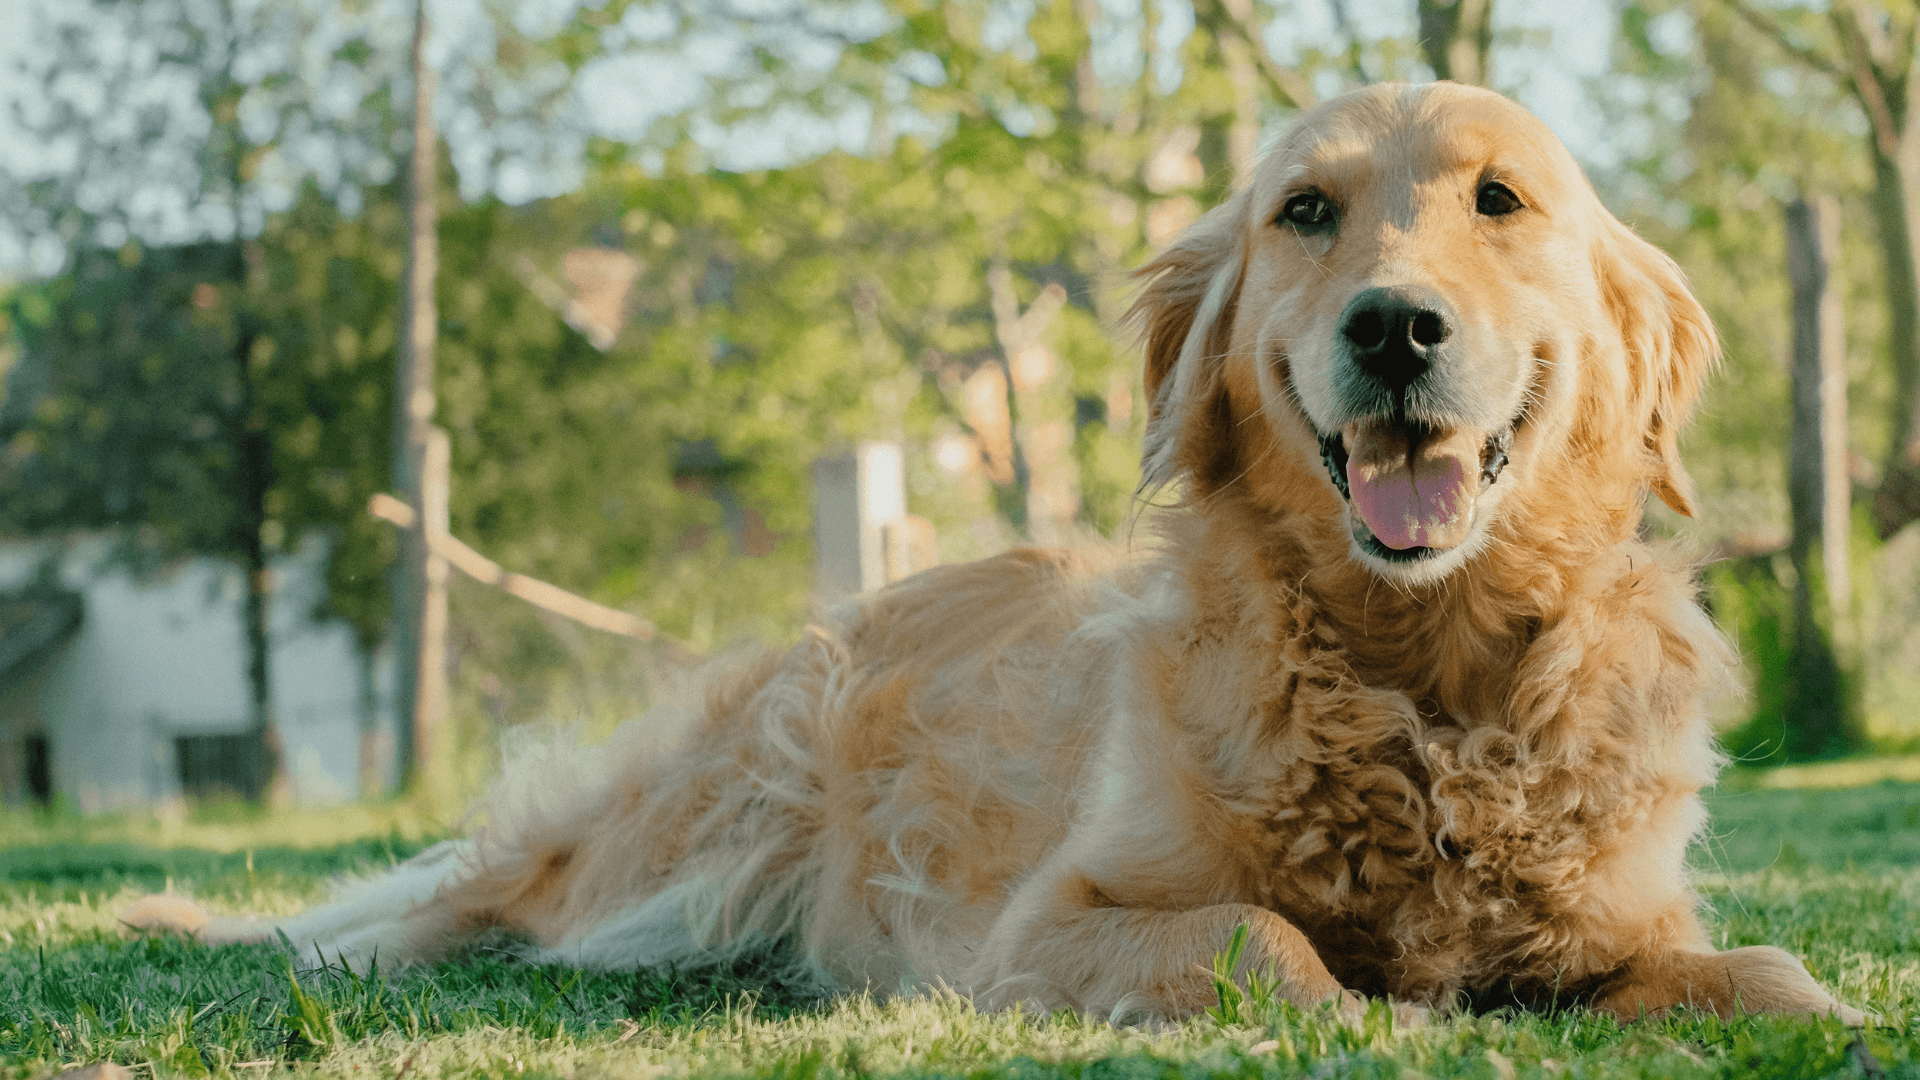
<point x="539" y="593"/>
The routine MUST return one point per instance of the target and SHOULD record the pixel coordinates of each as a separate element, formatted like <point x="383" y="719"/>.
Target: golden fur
<point x="1037" y="779"/>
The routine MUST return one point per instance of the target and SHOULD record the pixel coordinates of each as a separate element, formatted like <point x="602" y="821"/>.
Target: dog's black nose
<point x="1393" y="333"/>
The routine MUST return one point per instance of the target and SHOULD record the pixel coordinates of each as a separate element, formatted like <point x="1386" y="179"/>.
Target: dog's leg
<point x="1063" y="943"/>
<point x="377" y="921"/>
<point x="1759" y="978"/>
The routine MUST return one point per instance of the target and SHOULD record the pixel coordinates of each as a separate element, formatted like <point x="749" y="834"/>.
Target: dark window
<point x="219" y="766"/>
<point x="39" y="770"/>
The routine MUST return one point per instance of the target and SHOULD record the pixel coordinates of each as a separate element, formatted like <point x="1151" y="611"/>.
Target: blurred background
<point x="374" y="386"/>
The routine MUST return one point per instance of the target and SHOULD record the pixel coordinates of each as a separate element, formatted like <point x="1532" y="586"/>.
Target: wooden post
<point x="420" y="457"/>
<point x="856" y="496"/>
<point x="433" y="749"/>
<point x="1817" y="481"/>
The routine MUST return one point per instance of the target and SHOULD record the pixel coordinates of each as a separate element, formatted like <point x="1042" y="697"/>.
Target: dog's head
<point x="1419" y="315"/>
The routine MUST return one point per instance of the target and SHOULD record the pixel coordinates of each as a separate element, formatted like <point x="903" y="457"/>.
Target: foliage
<point x="324" y="296"/>
<point x="1828" y="874"/>
<point x="1710" y="190"/>
<point x="1244" y="994"/>
<point x="825" y="294"/>
<point x="133" y="410"/>
<point x="150" y="374"/>
<point x="1731" y="128"/>
<point x="1750" y="603"/>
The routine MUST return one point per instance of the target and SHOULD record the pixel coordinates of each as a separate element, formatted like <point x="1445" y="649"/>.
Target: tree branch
<point x="1286" y="85"/>
<point x="1344" y="26"/>
<point x="1868" y="29"/>
<point x="1869" y="81"/>
<point x="1775" y="33"/>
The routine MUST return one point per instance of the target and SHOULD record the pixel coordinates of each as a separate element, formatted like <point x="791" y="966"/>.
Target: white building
<point x="119" y="691"/>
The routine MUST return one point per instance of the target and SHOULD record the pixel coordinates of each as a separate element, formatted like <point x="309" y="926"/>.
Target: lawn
<point x="1830" y="873"/>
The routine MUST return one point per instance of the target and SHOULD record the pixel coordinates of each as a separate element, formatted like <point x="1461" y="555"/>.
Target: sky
<point x="651" y="71"/>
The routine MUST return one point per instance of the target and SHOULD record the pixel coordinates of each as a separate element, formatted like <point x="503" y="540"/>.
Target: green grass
<point x="1833" y="874"/>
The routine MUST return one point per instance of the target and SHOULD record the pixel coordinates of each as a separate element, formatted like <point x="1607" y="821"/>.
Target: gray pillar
<point x="857" y="495"/>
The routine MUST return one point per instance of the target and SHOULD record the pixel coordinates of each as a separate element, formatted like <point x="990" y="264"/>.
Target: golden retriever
<point x="1402" y="692"/>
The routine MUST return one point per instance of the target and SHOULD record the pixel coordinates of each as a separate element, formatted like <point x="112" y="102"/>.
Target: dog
<point x="1401" y="693"/>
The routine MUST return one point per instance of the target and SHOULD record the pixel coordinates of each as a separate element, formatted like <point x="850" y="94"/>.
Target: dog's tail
<point x="375" y="921"/>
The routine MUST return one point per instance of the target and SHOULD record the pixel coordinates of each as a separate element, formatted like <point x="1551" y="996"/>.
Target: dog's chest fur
<point x="1419" y="853"/>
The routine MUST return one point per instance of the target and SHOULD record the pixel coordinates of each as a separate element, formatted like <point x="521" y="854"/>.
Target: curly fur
<point x="1066" y="779"/>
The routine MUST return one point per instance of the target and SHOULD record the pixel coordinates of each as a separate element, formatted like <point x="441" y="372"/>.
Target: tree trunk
<point x="1041" y="409"/>
<point x="1229" y="140"/>
<point x="269" y="779"/>
<point x="1819" y="484"/>
<point x="1087" y="105"/>
<point x="1456" y="36"/>
<point x="254" y="478"/>
<point x="1818" y="719"/>
<point x="1897" y="501"/>
<point x="1243" y="132"/>
<point x="419" y="473"/>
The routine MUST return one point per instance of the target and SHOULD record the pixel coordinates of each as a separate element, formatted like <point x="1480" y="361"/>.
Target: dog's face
<point x="1422" y="300"/>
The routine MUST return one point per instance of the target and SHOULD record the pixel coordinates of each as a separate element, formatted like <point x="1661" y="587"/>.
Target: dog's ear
<point x="1670" y="349"/>
<point x="1185" y="315"/>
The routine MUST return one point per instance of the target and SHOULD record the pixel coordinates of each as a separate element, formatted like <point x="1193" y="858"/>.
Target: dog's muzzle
<point x="1417" y="485"/>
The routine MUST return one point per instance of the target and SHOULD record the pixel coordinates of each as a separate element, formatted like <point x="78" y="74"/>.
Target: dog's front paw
<point x="1773" y="980"/>
<point x="1353" y="1008"/>
<point x="164" y="913"/>
<point x="1753" y="979"/>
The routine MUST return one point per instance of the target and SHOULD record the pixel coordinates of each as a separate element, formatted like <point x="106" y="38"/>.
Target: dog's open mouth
<point x="1411" y="486"/>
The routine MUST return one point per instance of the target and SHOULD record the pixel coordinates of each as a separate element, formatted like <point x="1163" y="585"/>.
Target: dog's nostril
<point x="1367" y="330"/>
<point x="1429" y="328"/>
<point x="1393" y="334"/>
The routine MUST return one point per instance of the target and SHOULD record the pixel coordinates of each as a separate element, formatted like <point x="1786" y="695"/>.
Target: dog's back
<point x="865" y="799"/>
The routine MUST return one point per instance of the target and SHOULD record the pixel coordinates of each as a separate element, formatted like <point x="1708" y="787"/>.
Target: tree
<point x="1871" y="52"/>
<point x="774" y="313"/>
<point x="1817" y="698"/>
<point x="138" y="400"/>
<point x="1031" y="184"/>
<point x="420" y="460"/>
<point x="1456" y="36"/>
<point x="244" y="181"/>
<point x="1761" y="131"/>
<point x="181" y="210"/>
<point x="326" y="299"/>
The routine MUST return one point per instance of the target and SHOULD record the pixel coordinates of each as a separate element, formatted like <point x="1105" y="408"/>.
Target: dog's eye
<point x="1309" y="212"/>
<point x="1496" y="200"/>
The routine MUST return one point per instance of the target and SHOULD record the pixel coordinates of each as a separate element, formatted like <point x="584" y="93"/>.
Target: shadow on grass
<point x="72" y="989"/>
<point x="117" y="865"/>
<point x="194" y="1008"/>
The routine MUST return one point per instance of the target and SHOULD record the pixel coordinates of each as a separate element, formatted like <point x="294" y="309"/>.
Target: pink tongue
<point x="1422" y="499"/>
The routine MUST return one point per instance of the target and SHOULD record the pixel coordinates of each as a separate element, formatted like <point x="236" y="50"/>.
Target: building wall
<point x="158" y="658"/>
